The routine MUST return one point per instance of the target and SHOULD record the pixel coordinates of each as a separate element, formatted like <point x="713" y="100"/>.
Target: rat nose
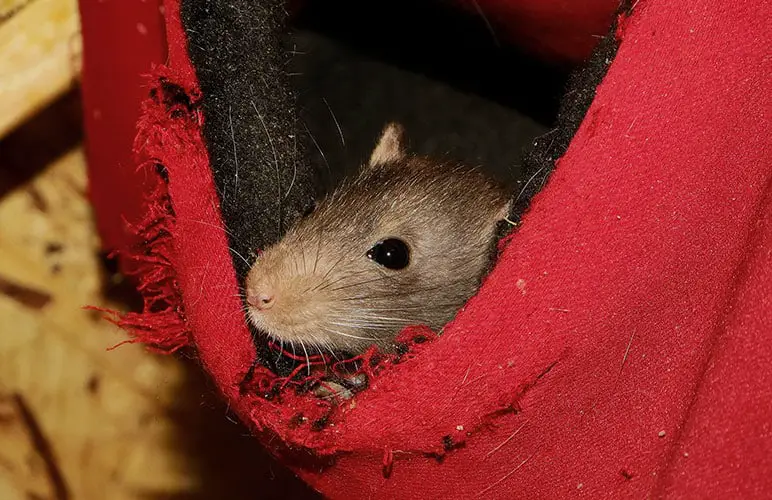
<point x="262" y="298"/>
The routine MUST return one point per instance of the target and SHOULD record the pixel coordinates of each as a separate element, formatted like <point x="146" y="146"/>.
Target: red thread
<point x="388" y="462"/>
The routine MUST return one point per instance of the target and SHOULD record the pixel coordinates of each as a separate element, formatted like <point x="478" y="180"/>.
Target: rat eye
<point x="391" y="253"/>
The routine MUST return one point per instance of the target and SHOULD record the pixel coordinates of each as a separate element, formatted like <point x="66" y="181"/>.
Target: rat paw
<point x="343" y="389"/>
<point x="332" y="390"/>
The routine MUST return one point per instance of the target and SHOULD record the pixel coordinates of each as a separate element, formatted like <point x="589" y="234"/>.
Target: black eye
<point x="391" y="253"/>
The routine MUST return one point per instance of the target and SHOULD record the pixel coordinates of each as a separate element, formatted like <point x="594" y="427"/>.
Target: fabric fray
<point x="161" y="323"/>
<point x="284" y="406"/>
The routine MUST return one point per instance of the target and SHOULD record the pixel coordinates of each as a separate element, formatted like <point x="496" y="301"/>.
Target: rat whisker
<point x="360" y="298"/>
<point x="366" y="314"/>
<point x="419" y="307"/>
<point x="281" y="350"/>
<point x="340" y="131"/>
<point x="318" y="248"/>
<point x="375" y="327"/>
<point x="386" y="296"/>
<point x="242" y="310"/>
<point x="487" y="23"/>
<point x="294" y="176"/>
<point x="324" y="278"/>
<point x="380" y="278"/>
<point x="239" y="255"/>
<point x="324" y="158"/>
<point x="303" y="255"/>
<point x="275" y="162"/>
<point x="235" y="156"/>
<point x="367" y="325"/>
<point x="317" y="344"/>
<point x="527" y="183"/>
<point x="373" y="320"/>
<point x="372" y="327"/>
<point x="343" y="278"/>
<point x="308" y="360"/>
<point x="328" y="345"/>
<point x="349" y="335"/>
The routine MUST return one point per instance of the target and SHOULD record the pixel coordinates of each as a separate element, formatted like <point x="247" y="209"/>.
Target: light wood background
<point x="79" y="421"/>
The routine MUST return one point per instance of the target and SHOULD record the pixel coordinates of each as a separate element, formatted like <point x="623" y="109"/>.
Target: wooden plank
<point x="27" y="467"/>
<point x="10" y="7"/>
<point x="108" y="414"/>
<point x="40" y="56"/>
<point x="79" y="421"/>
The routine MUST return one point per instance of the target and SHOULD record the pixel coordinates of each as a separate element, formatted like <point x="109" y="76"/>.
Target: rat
<point x="405" y="242"/>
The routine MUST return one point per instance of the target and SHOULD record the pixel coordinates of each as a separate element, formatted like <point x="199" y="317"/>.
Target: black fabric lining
<point x="258" y="157"/>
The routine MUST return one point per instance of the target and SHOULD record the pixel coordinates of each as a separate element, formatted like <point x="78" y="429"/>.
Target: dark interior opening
<point x="454" y="84"/>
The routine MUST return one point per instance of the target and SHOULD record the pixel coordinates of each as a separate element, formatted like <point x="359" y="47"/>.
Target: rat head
<point x="406" y="242"/>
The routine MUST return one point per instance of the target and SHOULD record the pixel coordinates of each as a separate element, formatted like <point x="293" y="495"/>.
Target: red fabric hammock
<point x="619" y="348"/>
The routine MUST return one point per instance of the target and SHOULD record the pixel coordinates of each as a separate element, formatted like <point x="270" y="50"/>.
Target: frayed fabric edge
<point x="160" y="325"/>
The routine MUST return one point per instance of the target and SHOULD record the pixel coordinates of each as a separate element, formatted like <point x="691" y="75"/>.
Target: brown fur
<point x="328" y="294"/>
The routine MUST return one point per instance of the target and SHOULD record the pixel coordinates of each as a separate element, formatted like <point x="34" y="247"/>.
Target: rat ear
<point x="390" y="145"/>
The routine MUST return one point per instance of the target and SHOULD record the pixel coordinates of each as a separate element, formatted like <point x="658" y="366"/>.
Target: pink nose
<point x="262" y="299"/>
